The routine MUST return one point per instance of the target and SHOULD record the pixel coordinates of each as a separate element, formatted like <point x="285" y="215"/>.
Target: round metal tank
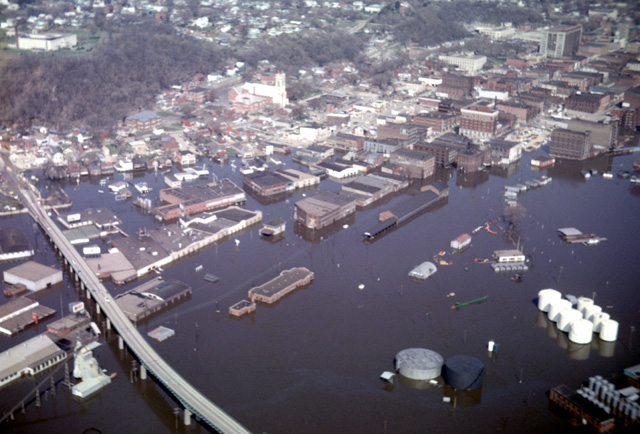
<point x="419" y="363"/>
<point x="591" y="311"/>
<point x="566" y="316"/>
<point x="583" y="302"/>
<point x="463" y="372"/>
<point x="556" y="307"/>
<point x="581" y="331"/>
<point x="597" y="320"/>
<point x="545" y="297"/>
<point x="609" y="330"/>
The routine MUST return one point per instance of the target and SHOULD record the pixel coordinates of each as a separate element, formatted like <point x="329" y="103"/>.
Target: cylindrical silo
<point x="581" y="331"/>
<point x="609" y="330"/>
<point x="583" y="302"/>
<point x="419" y="363"/>
<point x="566" y="316"/>
<point x="556" y="307"/>
<point x="591" y="311"/>
<point x="545" y="297"/>
<point x="463" y="372"/>
<point x="597" y="320"/>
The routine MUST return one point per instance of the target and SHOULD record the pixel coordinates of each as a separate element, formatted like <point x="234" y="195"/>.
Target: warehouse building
<point x="33" y="275"/>
<point x="29" y="358"/>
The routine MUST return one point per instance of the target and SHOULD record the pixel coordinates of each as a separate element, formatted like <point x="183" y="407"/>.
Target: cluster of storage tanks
<point x="604" y="394"/>
<point x="579" y="318"/>
<point x="459" y="372"/>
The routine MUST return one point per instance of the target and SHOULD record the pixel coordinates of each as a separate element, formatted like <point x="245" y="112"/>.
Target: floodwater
<point x="311" y="363"/>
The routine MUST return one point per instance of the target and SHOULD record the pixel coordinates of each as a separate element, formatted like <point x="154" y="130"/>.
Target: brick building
<point x="415" y="164"/>
<point x="572" y="145"/>
<point x="479" y="120"/>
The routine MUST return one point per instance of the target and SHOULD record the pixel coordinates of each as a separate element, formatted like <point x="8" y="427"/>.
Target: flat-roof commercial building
<point x="468" y="62"/>
<point x="151" y="297"/>
<point x="276" y="288"/>
<point x="47" y="41"/>
<point x="29" y="358"/>
<point x="20" y="313"/>
<point x="323" y="208"/>
<point x="572" y="145"/>
<point x="561" y="41"/>
<point x="198" y="198"/>
<point x="415" y="164"/>
<point x="33" y="275"/>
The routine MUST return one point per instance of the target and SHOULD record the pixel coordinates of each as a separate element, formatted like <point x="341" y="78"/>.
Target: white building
<point x="468" y="62"/>
<point x="47" y="41"/>
<point x="277" y="93"/>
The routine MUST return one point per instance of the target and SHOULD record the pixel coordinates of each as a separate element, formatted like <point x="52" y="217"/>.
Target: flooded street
<point x="311" y="362"/>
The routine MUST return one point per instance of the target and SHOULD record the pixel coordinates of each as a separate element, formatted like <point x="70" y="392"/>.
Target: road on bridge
<point x="189" y="396"/>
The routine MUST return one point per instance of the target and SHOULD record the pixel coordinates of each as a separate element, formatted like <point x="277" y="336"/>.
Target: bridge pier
<point x="97" y="308"/>
<point x="187" y="417"/>
<point x="143" y="372"/>
<point x="108" y="324"/>
<point x="120" y="343"/>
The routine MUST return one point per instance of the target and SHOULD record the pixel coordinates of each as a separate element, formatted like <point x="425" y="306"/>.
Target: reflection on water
<point x="574" y="351"/>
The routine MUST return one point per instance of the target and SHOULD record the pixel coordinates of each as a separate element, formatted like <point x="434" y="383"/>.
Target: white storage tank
<point x="545" y="297"/>
<point x="556" y="307"/>
<point x="583" y="302"/>
<point x="591" y="311"/>
<point x="566" y="317"/>
<point x="609" y="330"/>
<point x="419" y="363"/>
<point x="581" y="331"/>
<point x="597" y="320"/>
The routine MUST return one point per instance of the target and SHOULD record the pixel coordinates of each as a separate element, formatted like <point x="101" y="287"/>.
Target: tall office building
<point x="561" y="41"/>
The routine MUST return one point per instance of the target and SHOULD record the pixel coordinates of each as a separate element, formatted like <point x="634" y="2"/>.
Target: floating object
<point x="477" y="300"/>
<point x="463" y="372"/>
<point x="199" y="268"/>
<point x="556" y="307"/>
<point x="490" y="346"/>
<point x="361" y="286"/>
<point x="609" y="330"/>
<point x="211" y="278"/>
<point x="345" y="226"/>
<point x="423" y="270"/>
<point x="567" y="316"/>
<point x="451" y="294"/>
<point x="161" y="333"/>
<point x="581" y="331"/>
<point x="488" y="229"/>
<point x="419" y="363"/>
<point x="387" y="376"/>
<point x="237" y="242"/>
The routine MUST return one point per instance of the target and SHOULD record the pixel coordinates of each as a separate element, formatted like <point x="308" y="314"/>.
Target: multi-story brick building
<point x="572" y="145"/>
<point x="588" y="103"/>
<point x="323" y="208"/>
<point x="409" y="134"/>
<point x="479" y="120"/>
<point x="144" y="121"/>
<point x="439" y="122"/>
<point x="415" y="164"/>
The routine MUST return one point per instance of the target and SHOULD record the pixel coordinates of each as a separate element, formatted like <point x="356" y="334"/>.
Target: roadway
<point x="189" y="396"/>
